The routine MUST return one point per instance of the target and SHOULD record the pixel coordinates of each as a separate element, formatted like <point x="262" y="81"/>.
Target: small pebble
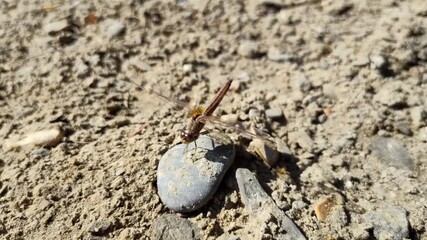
<point x="186" y="68"/>
<point x="418" y="114"/>
<point x="298" y="205"/>
<point x="229" y="118"/>
<point x="422" y="134"/>
<point x="253" y="113"/>
<point x="54" y="27"/>
<point x="112" y="28"/>
<point x="129" y="233"/>
<point x="392" y="153"/>
<point x="188" y="176"/>
<point x="303" y="140"/>
<point x="283" y="148"/>
<point x="94" y="59"/>
<point x="324" y="207"/>
<point x="331" y="210"/>
<point x="390" y="221"/>
<point x="361" y="61"/>
<point x="46" y="138"/>
<point x="249" y="49"/>
<point x="301" y="83"/>
<point x="169" y="226"/>
<point x="329" y="90"/>
<point x="403" y="128"/>
<point x="228" y="236"/>
<point x="99" y="228"/>
<point x="276" y="55"/>
<point x="349" y="184"/>
<point x="274" y="113"/>
<point x="199" y="5"/>
<point x="80" y="68"/>
<point x="378" y="61"/>
<point x="391" y="95"/>
<point x="243" y="76"/>
<point x="40" y="153"/>
<point x="268" y="155"/>
<point x="359" y="233"/>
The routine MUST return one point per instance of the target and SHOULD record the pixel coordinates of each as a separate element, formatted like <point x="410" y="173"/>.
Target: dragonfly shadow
<point x="220" y="153"/>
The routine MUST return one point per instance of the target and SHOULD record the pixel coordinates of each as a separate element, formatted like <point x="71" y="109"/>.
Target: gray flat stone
<point x="265" y="216"/>
<point x="392" y="153"/>
<point x="188" y="176"/>
<point x="172" y="227"/>
<point x="303" y="139"/>
<point x="100" y="227"/>
<point x="390" y="222"/>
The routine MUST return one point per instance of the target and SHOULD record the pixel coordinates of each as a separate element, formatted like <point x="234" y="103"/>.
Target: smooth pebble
<point x="378" y="61"/>
<point x="54" y="27"/>
<point x="169" y="226"/>
<point x="249" y="49"/>
<point x="276" y="55"/>
<point x="392" y="153"/>
<point x="112" y="28"/>
<point x="301" y="83"/>
<point x="390" y="221"/>
<point x="274" y="113"/>
<point x="189" y="174"/>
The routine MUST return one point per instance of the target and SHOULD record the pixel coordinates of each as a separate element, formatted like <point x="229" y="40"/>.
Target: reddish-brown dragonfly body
<point x="198" y="121"/>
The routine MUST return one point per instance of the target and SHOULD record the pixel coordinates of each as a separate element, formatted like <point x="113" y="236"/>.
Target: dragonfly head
<point x="186" y="137"/>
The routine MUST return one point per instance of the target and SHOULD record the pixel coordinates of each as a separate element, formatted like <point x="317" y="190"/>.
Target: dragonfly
<point x="200" y="116"/>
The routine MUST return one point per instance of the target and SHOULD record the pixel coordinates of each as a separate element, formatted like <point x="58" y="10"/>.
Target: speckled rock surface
<point x="189" y="174"/>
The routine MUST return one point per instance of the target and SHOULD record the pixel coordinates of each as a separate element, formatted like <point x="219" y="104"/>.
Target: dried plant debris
<point x="45" y="138"/>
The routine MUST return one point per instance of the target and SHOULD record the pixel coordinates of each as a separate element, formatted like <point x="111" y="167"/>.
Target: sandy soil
<point x="344" y="74"/>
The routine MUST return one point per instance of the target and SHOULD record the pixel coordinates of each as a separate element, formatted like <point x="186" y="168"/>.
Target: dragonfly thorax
<point x="195" y="112"/>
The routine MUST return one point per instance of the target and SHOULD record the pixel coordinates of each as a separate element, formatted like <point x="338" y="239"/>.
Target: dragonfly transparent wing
<point x="175" y="103"/>
<point x="235" y="126"/>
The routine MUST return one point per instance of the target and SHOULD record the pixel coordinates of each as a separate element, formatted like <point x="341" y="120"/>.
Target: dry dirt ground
<point x="349" y="76"/>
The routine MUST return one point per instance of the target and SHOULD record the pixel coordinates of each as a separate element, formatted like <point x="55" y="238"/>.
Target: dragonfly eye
<point x="183" y="134"/>
<point x="186" y="136"/>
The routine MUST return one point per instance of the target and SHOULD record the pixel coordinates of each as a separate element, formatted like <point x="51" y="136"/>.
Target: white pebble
<point x="187" y="68"/>
<point x="112" y="28"/>
<point x="274" y="113"/>
<point x="48" y="138"/>
<point x="378" y="61"/>
<point x="55" y="26"/>
<point x="253" y="113"/>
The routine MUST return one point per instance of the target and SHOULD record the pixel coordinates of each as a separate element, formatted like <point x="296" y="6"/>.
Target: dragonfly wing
<point x="236" y="126"/>
<point x="175" y="103"/>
